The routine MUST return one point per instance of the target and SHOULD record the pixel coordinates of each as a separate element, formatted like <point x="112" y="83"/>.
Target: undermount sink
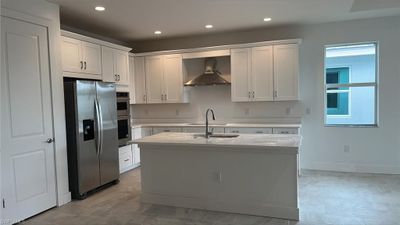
<point x="217" y="135"/>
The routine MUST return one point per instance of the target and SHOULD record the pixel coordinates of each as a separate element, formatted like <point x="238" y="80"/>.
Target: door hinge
<point x="4" y="203"/>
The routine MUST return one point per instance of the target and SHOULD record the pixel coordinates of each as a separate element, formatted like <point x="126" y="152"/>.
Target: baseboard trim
<point x="64" y="199"/>
<point x="352" y="168"/>
<point x="255" y="208"/>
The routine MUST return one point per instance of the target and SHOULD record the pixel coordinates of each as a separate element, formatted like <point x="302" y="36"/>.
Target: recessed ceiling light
<point x="267" y="19"/>
<point x="209" y="26"/>
<point x="157" y="32"/>
<point x="99" y="8"/>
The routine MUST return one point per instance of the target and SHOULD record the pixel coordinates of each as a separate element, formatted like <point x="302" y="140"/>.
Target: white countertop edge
<point x="235" y="147"/>
<point x="244" y="125"/>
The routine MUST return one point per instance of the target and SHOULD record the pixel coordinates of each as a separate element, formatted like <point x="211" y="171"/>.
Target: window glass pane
<point x="359" y="60"/>
<point x="357" y="106"/>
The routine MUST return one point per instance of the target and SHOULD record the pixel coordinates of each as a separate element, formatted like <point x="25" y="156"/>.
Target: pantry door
<point x="27" y="148"/>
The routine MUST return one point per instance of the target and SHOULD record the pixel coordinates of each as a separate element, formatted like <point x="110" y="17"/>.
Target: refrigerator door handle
<point x="98" y="126"/>
<point x="101" y="127"/>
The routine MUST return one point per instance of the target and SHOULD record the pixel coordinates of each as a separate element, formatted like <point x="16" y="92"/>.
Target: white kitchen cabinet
<point x="248" y="130"/>
<point x="286" y="72"/>
<point x="137" y="80"/>
<point x="266" y="73"/>
<point x="284" y="130"/>
<point x="125" y="158"/>
<point x="164" y="79"/>
<point x="81" y="57"/>
<point x="157" y="130"/>
<point x="115" y="65"/>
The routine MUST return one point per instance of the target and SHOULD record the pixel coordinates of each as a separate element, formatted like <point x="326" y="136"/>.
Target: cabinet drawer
<point x="285" y="130"/>
<point x="125" y="158"/>
<point x="202" y="129"/>
<point x="157" y="130"/>
<point x="242" y="130"/>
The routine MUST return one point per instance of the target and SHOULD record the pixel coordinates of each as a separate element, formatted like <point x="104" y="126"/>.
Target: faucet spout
<point x="208" y="132"/>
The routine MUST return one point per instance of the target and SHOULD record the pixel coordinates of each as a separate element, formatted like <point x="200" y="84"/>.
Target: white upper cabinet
<point x="267" y="73"/>
<point x="115" y="65"/>
<point x="164" y="79"/>
<point x="137" y="80"/>
<point x="286" y="72"/>
<point x="154" y="79"/>
<point x="81" y="57"/>
<point x="241" y="74"/>
<point x="173" y="79"/>
<point x="262" y="74"/>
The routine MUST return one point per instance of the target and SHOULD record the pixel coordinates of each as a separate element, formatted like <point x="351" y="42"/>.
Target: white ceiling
<point x="130" y="20"/>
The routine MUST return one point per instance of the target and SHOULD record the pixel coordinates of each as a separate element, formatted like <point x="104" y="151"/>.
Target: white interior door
<point x="262" y="74"/>
<point x="286" y="72"/>
<point x="241" y="72"/>
<point x="173" y="78"/>
<point x="28" y="167"/>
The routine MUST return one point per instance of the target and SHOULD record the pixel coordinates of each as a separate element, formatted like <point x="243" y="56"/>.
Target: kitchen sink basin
<point x="217" y="135"/>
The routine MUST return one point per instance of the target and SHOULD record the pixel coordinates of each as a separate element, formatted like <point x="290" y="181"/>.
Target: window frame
<point x="349" y="92"/>
<point x="350" y="85"/>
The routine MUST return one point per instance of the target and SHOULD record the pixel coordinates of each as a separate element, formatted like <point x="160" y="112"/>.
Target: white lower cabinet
<point x="285" y="130"/>
<point x="125" y="158"/>
<point x="247" y="130"/>
<point x="157" y="130"/>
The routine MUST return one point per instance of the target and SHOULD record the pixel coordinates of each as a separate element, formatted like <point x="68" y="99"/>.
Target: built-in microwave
<point x="124" y="121"/>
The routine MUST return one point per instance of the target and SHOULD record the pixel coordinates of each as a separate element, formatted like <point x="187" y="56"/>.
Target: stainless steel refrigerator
<point x="92" y="135"/>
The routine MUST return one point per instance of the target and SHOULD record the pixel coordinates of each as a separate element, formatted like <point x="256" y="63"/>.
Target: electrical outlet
<point x="346" y="148"/>
<point x="247" y="111"/>
<point x="288" y="110"/>
<point x="308" y="111"/>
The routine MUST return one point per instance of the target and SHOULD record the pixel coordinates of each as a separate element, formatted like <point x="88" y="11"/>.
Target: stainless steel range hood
<point x="211" y="76"/>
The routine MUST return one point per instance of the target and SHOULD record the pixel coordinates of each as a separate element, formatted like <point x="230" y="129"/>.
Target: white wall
<point x="371" y="149"/>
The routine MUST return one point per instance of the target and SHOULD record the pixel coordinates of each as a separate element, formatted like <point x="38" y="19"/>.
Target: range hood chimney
<point x="211" y="75"/>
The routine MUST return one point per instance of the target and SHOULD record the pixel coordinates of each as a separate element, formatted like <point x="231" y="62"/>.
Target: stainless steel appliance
<point x="124" y="119"/>
<point x="211" y="75"/>
<point x="92" y="135"/>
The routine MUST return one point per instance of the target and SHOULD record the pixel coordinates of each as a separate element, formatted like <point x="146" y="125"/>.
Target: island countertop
<point x="245" y="140"/>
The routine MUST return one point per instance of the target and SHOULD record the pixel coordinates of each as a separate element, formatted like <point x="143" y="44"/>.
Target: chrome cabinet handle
<point x="50" y="140"/>
<point x="165" y="97"/>
<point x="249" y="94"/>
<point x="162" y="97"/>
<point x="259" y="132"/>
<point x="275" y="94"/>
<point x="118" y="77"/>
<point x="144" y="98"/>
<point x="84" y="64"/>
<point x="126" y="160"/>
<point x="81" y="65"/>
<point x="253" y="94"/>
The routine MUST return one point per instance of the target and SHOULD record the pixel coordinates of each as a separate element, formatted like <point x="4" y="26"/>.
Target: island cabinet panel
<point x="202" y="129"/>
<point x="248" y="130"/>
<point x="257" y="181"/>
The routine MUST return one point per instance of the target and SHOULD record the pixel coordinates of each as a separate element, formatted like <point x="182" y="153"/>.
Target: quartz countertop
<point x="251" y="125"/>
<point x="245" y="140"/>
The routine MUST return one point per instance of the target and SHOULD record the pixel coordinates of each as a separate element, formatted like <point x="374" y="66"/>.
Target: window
<point x="350" y="85"/>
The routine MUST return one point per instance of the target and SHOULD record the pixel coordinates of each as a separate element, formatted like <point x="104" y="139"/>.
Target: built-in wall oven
<point x="124" y="120"/>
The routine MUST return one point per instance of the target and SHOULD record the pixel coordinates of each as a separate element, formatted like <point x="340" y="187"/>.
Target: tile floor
<point x="325" y="198"/>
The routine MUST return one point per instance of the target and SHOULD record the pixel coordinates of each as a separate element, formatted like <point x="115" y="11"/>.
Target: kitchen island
<point x="250" y="174"/>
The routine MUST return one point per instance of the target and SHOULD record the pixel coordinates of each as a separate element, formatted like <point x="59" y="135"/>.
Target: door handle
<point x="253" y="94"/>
<point x="249" y="94"/>
<point x="84" y="64"/>
<point x="81" y="65"/>
<point x="50" y="140"/>
<point x="119" y="77"/>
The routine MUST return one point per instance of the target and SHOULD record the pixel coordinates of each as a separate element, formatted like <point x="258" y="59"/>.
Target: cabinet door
<point x="71" y="55"/>
<point x="108" y="64"/>
<point x="284" y="130"/>
<point x="154" y="79"/>
<point x="286" y="72"/>
<point x="173" y="79"/>
<point x="240" y="72"/>
<point x="121" y="66"/>
<point x="91" y="56"/>
<point x="262" y="85"/>
<point x="139" y="80"/>
<point x="248" y="130"/>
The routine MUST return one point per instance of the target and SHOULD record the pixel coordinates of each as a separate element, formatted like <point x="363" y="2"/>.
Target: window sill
<point x="352" y="125"/>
